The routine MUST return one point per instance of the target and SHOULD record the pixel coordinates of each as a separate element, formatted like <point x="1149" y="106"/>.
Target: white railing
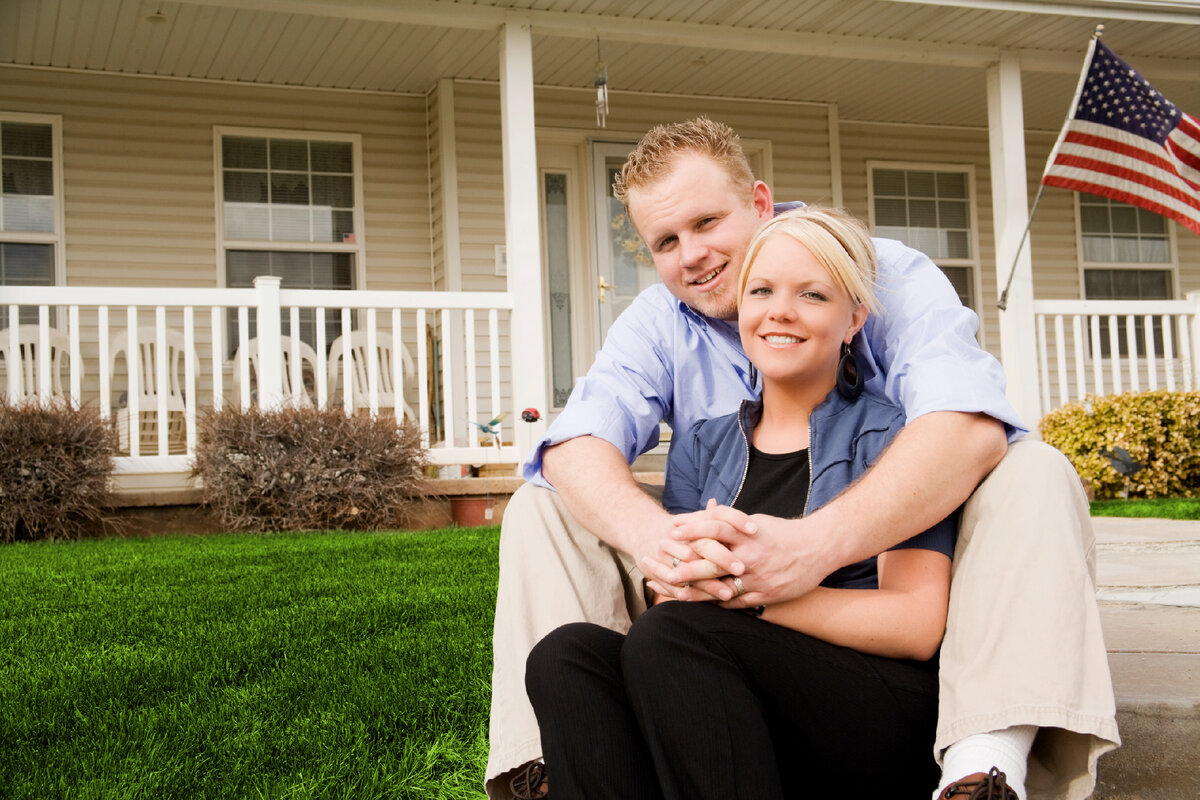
<point x="1098" y="347"/>
<point x="182" y="353"/>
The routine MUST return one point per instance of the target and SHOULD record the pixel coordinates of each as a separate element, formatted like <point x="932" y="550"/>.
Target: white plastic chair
<point x="26" y="362"/>
<point x="308" y="372"/>
<point x="147" y="390"/>
<point x="359" y="373"/>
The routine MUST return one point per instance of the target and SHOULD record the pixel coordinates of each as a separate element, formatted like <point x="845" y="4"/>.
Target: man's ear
<point x="763" y="204"/>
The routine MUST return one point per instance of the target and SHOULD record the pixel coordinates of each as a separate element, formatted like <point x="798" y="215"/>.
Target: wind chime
<point x="600" y="81"/>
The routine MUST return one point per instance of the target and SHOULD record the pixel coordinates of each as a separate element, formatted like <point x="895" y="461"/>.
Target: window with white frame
<point x="291" y="207"/>
<point x="1126" y="254"/>
<point x="30" y="203"/>
<point x="929" y="209"/>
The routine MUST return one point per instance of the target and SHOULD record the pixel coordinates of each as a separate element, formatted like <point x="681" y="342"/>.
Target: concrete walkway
<point x="1148" y="583"/>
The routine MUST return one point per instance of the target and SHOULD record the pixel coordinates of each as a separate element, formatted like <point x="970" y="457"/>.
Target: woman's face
<point x="794" y="318"/>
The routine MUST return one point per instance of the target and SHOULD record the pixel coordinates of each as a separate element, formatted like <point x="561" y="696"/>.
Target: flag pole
<point x="1002" y="303"/>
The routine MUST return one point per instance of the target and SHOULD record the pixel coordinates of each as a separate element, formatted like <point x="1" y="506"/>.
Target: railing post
<point x="270" y="343"/>
<point x="1193" y="297"/>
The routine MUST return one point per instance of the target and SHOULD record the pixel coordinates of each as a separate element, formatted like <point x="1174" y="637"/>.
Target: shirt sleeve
<point x="625" y="394"/>
<point x="682" y="483"/>
<point x="924" y="340"/>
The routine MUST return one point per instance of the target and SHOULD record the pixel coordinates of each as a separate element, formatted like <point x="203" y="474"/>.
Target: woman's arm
<point x="904" y="618"/>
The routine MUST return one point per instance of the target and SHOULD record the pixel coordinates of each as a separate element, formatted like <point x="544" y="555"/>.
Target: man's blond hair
<point x="836" y="238"/>
<point x="655" y="155"/>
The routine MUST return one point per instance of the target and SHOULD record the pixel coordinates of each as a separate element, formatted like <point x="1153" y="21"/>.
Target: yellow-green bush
<point x="1159" y="429"/>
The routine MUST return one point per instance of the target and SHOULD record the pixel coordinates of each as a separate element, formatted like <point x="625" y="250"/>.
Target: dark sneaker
<point x="529" y="782"/>
<point x="993" y="786"/>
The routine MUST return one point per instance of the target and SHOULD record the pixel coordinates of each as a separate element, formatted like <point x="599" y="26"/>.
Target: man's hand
<point x="598" y="488"/>
<point x="775" y="558"/>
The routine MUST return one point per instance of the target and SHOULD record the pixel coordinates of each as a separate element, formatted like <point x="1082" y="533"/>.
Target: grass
<point x="1162" y="508"/>
<point x="335" y="665"/>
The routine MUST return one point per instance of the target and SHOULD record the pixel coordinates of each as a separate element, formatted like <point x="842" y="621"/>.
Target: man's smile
<point x="708" y="277"/>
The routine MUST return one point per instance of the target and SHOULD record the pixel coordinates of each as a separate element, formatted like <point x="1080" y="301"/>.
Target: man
<point x="1023" y="654"/>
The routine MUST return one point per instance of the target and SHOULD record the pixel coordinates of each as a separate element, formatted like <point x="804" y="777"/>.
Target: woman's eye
<point x="760" y="291"/>
<point x="811" y="295"/>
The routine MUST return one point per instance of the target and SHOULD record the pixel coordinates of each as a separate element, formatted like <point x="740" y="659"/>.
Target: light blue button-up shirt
<point x="663" y="361"/>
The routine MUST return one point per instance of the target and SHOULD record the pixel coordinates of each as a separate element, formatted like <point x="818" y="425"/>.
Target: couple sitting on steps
<point x="846" y="483"/>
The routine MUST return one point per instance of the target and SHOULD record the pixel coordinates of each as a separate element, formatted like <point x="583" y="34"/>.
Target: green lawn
<point x="340" y="665"/>
<point x="1162" y="508"/>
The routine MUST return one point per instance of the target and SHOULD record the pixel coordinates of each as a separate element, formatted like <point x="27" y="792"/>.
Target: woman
<point x="835" y="692"/>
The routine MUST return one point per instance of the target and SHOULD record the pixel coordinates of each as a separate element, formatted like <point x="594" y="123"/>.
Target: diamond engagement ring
<point x="674" y="563"/>
<point x="741" y="587"/>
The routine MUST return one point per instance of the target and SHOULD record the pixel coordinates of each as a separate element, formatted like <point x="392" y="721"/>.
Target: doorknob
<point x="602" y="286"/>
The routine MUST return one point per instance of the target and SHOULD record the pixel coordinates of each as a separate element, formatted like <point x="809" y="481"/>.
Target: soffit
<point x="877" y="59"/>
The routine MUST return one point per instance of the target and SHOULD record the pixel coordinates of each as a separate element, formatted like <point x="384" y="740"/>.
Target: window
<point x="30" y="203"/>
<point x="1126" y="256"/>
<point x="929" y="209"/>
<point x="290" y="207"/>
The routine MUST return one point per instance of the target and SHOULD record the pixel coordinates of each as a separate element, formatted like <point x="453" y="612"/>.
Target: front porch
<point x="203" y="349"/>
<point x="372" y="352"/>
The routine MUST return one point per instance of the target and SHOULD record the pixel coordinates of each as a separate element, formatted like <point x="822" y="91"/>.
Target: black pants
<point x="702" y="702"/>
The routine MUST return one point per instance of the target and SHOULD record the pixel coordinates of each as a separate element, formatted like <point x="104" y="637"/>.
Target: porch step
<point x="1148" y="583"/>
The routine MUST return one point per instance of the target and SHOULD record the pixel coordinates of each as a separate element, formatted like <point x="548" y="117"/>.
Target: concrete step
<point x="1148" y="582"/>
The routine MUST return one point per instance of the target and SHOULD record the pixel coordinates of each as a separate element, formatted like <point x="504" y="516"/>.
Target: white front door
<point x="623" y="264"/>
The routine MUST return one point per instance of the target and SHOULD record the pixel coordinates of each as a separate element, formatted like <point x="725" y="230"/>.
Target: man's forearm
<point x="929" y="470"/>
<point x="599" y="490"/>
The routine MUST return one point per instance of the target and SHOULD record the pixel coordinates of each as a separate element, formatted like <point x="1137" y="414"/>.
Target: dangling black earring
<point x="849" y="374"/>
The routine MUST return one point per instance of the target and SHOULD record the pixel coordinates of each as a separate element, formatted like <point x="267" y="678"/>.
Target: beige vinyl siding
<point x="138" y="171"/>
<point x="139" y="198"/>
<point x="1189" y="258"/>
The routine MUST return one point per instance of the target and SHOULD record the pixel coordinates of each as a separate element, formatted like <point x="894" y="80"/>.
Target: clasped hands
<point x="707" y="549"/>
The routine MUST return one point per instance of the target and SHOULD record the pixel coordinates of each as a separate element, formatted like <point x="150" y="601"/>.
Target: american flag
<point x="1126" y="141"/>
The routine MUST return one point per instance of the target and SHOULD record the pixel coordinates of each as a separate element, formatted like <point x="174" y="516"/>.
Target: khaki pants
<point x="1023" y="644"/>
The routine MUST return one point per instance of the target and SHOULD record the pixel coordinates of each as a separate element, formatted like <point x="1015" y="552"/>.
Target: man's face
<point x="696" y="225"/>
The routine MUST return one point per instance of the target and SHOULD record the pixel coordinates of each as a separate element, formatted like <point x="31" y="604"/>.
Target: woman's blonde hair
<point x="838" y="240"/>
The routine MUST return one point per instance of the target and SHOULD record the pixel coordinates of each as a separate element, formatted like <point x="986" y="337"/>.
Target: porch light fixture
<point x="600" y="81"/>
<point x="155" y="17"/>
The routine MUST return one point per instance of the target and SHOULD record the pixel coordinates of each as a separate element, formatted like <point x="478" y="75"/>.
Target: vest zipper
<point x="808" y="499"/>
<point x="746" y="459"/>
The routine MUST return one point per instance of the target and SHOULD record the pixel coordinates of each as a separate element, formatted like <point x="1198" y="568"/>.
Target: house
<point x="252" y="197"/>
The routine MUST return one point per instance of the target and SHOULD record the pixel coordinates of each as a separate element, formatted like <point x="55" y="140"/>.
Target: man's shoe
<point x="993" y="786"/>
<point x="529" y="782"/>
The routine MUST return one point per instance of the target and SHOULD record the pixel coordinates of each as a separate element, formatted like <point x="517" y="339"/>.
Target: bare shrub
<point x="56" y="463"/>
<point x="305" y="469"/>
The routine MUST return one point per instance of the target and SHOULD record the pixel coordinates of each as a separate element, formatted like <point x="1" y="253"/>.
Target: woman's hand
<point x="777" y="558"/>
<point x="693" y="569"/>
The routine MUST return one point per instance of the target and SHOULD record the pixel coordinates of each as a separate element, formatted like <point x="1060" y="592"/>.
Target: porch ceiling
<point x="887" y="60"/>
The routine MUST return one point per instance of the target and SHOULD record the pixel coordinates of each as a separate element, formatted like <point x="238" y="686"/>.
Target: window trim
<point x="1083" y="265"/>
<point x="358" y="247"/>
<point x="975" y="263"/>
<point x="58" y="238"/>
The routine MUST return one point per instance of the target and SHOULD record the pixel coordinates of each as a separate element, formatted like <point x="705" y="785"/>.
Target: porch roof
<point x="878" y="60"/>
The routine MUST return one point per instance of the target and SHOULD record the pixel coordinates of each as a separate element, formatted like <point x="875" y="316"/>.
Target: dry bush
<point x="1159" y="429"/>
<point x="55" y="466"/>
<point x="304" y="469"/>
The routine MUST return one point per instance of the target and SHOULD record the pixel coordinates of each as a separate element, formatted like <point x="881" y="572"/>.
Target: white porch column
<point x="1010" y="211"/>
<point x="521" y="232"/>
